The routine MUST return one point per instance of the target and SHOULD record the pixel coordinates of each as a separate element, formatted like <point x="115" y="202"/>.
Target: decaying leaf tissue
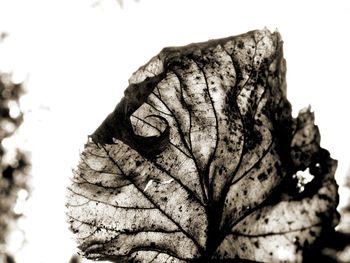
<point x="198" y="162"/>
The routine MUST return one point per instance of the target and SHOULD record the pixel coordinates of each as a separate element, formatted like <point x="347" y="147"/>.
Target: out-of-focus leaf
<point x="195" y="162"/>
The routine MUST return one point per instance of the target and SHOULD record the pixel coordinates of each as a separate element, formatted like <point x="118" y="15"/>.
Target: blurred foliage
<point x="75" y="259"/>
<point x="14" y="163"/>
<point x="120" y="2"/>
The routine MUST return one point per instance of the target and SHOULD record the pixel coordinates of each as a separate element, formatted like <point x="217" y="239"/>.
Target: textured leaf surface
<point x="197" y="161"/>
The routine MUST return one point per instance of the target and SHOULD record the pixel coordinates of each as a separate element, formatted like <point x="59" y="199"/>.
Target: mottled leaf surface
<point x="197" y="162"/>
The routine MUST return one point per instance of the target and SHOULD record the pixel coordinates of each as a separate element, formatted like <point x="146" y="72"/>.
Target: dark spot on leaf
<point x="256" y="244"/>
<point x="262" y="177"/>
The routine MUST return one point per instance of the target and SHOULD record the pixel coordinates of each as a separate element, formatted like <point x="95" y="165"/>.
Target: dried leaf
<point x="194" y="162"/>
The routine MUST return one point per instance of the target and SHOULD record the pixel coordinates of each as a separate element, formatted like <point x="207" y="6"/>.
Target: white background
<point x="77" y="55"/>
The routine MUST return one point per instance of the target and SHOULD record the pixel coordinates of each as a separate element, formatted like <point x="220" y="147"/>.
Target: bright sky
<point x="77" y="56"/>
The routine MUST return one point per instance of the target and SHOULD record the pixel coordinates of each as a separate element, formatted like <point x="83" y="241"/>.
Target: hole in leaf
<point x="303" y="178"/>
